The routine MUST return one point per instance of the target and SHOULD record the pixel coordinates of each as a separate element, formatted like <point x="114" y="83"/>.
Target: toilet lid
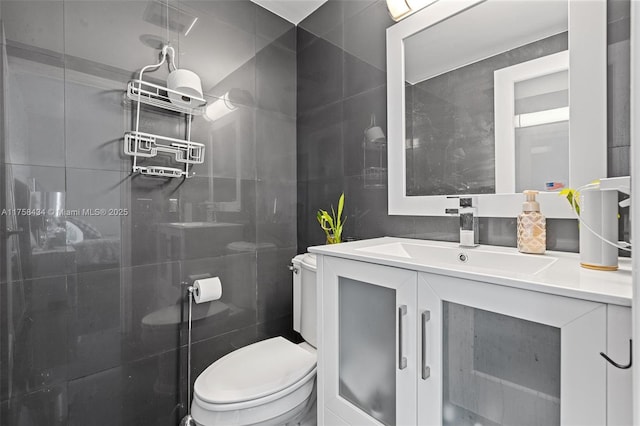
<point x="254" y="371"/>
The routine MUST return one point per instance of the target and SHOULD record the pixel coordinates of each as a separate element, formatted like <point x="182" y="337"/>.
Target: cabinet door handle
<point x="620" y="366"/>
<point x="426" y="371"/>
<point x="402" y="360"/>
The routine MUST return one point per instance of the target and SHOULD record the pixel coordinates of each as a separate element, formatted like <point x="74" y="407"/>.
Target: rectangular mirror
<point x="494" y="97"/>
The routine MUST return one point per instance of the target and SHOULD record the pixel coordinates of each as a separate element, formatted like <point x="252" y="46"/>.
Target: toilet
<point x="271" y="382"/>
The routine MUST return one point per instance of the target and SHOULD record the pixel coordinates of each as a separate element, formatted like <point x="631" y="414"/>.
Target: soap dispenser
<point x="532" y="226"/>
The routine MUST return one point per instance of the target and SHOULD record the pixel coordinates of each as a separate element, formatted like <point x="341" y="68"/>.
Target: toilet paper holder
<point x="191" y="279"/>
<point x="191" y="289"/>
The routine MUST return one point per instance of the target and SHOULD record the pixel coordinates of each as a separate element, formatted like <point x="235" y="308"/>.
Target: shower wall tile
<point x="365" y="35"/>
<point x="153" y="313"/>
<point x="97" y="194"/>
<point x="151" y="396"/>
<point x="319" y="74"/>
<point x="95" y="122"/>
<point x="352" y="8"/>
<point x="35" y="112"/>
<point x="230" y="148"/>
<point x="360" y="76"/>
<point x="360" y="113"/>
<point x="96" y="326"/>
<point x="279" y="327"/>
<point x="241" y="81"/>
<point x="98" y="31"/>
<point x="105" y="331"/>
<point x="37" y="325"/>
<point x="152" y="202"/>
<point x="304" y="38"/>
<point x="97" y="399"/>
<point x="45" y="29"/>
<point x="276" y="79"/>
<point x="242" y="15"/>
<point x="214" y="50"/>
<point x="276" y="214"/>
<point x="46" y="406"/>
<point x="366" y="211"/>
<point x="275" y="285"/>
<point x="320" y="142"/>
<point x="276" y="146"/>
<point x="34" y="253"/>
<point x="162" y="211"/>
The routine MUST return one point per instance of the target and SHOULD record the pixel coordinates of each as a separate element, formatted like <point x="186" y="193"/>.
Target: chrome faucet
<point x="469" y="227"/>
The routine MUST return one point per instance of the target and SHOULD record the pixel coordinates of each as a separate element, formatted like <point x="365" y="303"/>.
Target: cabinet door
<point x="619" y="381"/>
<point x="498" y="355"/>
<point x="368" y="330"/>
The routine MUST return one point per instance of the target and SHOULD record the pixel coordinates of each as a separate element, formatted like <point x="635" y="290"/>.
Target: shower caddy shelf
<point x="139" y="144"/>
<point x="158" y="96"/>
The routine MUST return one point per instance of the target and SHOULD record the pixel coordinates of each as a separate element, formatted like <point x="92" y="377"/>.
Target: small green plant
<point x="573" y="197"/>
<point x="332" y="224"/>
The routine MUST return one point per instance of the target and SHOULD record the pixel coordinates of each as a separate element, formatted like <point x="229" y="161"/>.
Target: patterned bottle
<point x="532" y="226"/>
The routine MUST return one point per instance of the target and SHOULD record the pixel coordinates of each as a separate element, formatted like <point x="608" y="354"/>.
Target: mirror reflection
<point x="462" y="133"/>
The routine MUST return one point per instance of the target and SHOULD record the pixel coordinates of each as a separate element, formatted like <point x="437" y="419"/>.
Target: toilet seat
<point x="255" y="383"/>
<point x="254" y="371"/>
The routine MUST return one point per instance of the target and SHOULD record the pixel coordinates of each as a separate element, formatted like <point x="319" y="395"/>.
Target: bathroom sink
<point x="477" y="258"/>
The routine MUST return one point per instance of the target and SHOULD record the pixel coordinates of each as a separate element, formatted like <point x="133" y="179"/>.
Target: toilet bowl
<point x="271" y="382"/>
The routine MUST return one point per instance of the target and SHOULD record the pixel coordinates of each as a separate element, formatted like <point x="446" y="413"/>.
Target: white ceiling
<point x="293" y="11"/>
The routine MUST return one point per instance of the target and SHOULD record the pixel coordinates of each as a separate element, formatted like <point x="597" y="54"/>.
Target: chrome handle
<point x="426" y="371"/>
<point x="402" y="360"/>
<point x="293" y="269"/>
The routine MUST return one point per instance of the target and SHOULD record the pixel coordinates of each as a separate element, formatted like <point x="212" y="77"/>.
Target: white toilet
<point x="271" y="382"/>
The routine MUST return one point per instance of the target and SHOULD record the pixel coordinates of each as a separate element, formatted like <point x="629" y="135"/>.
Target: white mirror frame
<point x="587" y="123"/>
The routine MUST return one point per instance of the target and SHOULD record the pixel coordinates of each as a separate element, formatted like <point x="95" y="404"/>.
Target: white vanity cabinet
<point x="401" y="347"/>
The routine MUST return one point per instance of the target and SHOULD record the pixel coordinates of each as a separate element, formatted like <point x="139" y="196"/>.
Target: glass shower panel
<point x="498" y="370"/>
<point x="542" y="132"/>
<point x="367" y="342"/>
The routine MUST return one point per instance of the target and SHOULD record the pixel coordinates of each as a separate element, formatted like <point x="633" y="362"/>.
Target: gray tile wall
<point x="342" y="81"/>
<point x="93" y="332"/>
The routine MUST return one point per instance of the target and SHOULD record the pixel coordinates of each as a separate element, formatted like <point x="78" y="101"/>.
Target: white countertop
<point x="564" y="277"/>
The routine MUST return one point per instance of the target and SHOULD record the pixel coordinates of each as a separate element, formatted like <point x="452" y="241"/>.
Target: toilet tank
<point x="305" y="300"/>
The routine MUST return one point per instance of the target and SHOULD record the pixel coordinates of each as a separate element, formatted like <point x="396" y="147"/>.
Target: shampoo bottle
<point x="532" y="226"/>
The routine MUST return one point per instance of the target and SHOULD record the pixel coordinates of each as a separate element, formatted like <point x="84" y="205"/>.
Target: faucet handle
<point x="467" y="201"/>
<point x="463" y="200"/>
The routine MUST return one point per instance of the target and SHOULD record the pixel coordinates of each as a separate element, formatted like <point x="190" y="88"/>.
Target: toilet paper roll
<point x="188" y="84"/>
<point x="207" y="289"/>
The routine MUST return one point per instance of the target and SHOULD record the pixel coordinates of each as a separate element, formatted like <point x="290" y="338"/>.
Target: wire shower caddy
<point x="142" y="145"/>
